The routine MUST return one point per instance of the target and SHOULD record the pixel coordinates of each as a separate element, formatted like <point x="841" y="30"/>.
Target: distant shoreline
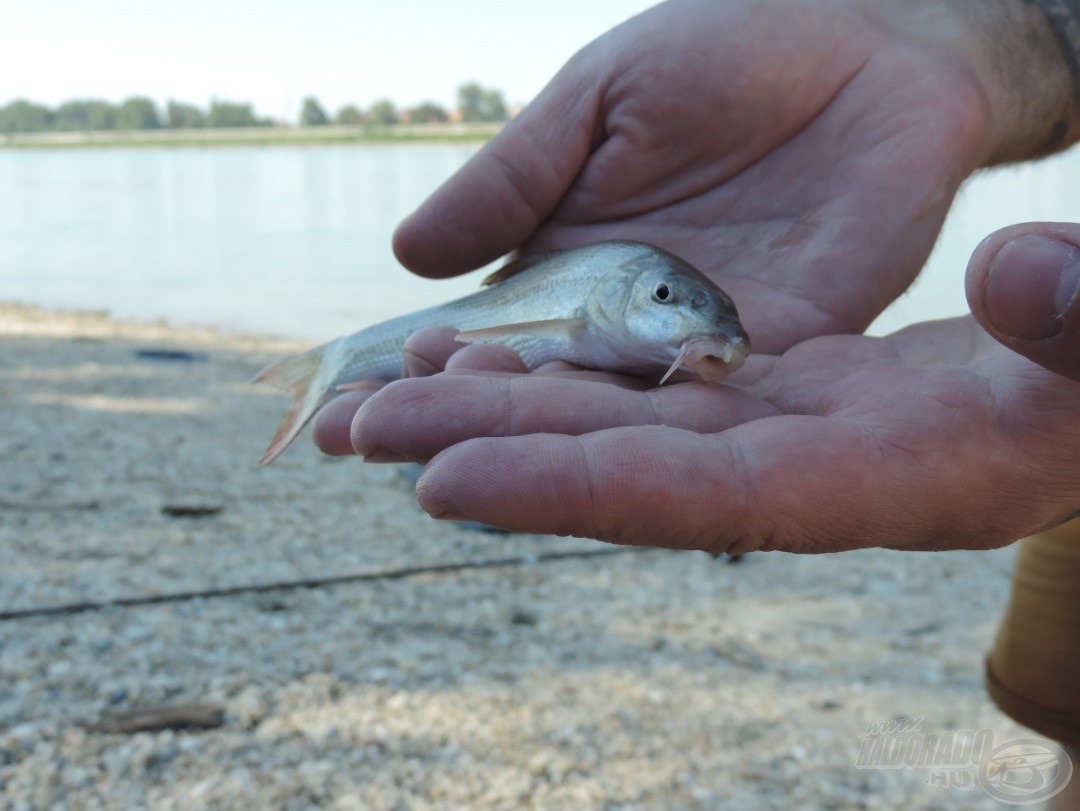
<point x="256" y="136"/>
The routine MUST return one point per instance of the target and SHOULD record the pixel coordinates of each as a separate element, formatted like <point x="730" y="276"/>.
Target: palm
<point x="806" y="166"/>
<point x="804" y="156"/>
<point x="925" y="439"/>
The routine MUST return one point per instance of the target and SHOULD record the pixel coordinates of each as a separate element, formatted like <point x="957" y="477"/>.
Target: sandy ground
<point x="641" y="680"/>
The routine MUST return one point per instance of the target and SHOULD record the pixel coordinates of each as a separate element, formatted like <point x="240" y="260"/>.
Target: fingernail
<point x="1030" y="285"/>
<point x="415" y="366"/>
<point x="379" y="455"/>
<point x="435" y="507"/>
<point x="446" y="514"/>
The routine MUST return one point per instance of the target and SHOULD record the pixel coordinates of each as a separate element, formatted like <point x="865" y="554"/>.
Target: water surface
<point x="296" y="241"/>
<point x="291" y="241"/>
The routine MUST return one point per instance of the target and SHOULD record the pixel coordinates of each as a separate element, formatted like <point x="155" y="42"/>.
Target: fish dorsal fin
<point x="516" y="267"/>
<point x="553" y="329"/>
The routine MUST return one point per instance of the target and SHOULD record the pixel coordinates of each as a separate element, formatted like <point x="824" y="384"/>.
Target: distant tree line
<point x="475" y="103"/>
<point x="136" y="113"/>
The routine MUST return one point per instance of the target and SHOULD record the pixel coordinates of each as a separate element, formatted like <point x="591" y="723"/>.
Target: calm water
<point x="296" y="241"/>
<point x="285" y="241"/>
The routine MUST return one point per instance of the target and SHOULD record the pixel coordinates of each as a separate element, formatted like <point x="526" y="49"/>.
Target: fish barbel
<point x="615" y="306"/>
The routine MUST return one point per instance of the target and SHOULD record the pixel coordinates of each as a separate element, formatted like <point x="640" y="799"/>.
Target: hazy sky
<point x="274" y="53"/>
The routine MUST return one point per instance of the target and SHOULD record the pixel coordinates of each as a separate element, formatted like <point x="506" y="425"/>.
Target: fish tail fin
<point x="298" y="375"/>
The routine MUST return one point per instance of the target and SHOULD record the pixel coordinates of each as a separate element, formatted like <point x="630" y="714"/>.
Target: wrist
<point x="1028" y="75"/>
<point x="1011" y="56"/>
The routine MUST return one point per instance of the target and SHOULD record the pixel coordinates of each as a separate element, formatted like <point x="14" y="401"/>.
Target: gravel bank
<point x="647" y="680"/>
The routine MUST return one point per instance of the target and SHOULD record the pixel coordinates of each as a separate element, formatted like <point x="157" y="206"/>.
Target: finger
<point x="562" y="368"/>
<point x="486" y="357"/>
<point x="417" y="419"/>
<point x="794" y="483"/>
<point x="427" y="351"/>
<point x="557" y="366"/>
<point x="571" y="371"/>
<point x="497" y="200"/>
<point x="1023" y="286"/>
<point x="735" y="492"/>
<point x="332" y="425"/>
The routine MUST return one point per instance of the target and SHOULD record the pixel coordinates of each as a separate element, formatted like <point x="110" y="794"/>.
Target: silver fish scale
<point x="596" y="287"/>
<point x="552" y="289"/>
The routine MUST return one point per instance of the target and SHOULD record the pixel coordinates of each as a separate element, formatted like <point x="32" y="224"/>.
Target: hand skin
<point x="936" y="437"/>
<point x="1023" y="285"/>
<point x="803" y="154"/>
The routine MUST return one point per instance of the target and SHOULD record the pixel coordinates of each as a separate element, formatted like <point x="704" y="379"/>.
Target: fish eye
<point x="662" y="293"/>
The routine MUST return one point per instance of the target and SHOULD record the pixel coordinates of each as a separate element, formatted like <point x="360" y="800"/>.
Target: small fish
<point x="615" y="306"/>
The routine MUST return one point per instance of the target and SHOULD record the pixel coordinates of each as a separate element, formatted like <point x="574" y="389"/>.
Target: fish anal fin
<point x="552" y="329"/>
<point x="286" y="432"/>
<point x="516" y="267"/>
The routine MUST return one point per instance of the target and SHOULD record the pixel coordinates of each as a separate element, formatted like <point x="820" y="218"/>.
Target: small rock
<point x="740" y="654"/>
<point x="117" y="696"/>
<point x="189" y="745"/>
<point x="521" y="616"/>
<point x="249" y="707"/>
<point x="272" y="604"/>
<point x="24" y="732"/>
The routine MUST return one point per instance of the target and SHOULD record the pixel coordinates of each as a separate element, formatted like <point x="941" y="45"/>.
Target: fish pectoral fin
<point x="364" y="384"/>
<point x="553" y="329"/>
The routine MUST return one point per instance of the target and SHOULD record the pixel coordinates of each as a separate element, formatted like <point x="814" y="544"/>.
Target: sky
<point x="274" y="53"/>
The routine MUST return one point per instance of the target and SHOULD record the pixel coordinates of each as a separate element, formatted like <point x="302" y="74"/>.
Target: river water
<point x="296" y="241"/>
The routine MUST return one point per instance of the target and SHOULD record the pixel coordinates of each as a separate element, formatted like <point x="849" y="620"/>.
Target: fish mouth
<point x="711" y="357"/>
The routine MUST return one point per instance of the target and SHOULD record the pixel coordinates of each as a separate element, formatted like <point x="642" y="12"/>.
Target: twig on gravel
<point x="313" y="582"/>
<point x="155" y="719"/>
<point x="45" y="506"/>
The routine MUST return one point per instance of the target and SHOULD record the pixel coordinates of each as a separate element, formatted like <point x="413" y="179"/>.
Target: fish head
<point x="674" y="316"/>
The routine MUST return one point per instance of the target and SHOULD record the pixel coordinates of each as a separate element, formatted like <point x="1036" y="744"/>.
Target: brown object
<point x="1033" y="670"/>
<point x="191" y="510"/>
<point x="156" y="719"/>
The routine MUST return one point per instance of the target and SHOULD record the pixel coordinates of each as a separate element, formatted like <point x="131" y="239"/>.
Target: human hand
<point x="802" y="153"/>
<point x="1023" y="285"/>
<point x="935" y="437"/>
<point x="802" y="156"/>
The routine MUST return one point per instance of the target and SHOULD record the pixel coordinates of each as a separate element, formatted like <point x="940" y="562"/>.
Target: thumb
<point x="1023" y="286"/>
<point x="499" y="198"/>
